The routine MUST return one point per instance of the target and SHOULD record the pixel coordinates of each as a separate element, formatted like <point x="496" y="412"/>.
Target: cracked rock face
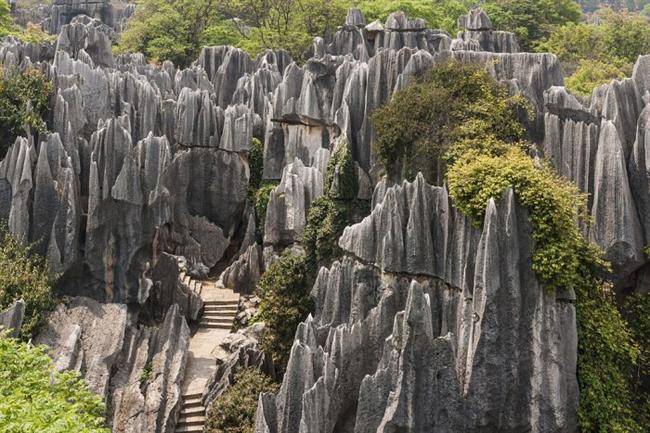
<point x="398" y="343"/>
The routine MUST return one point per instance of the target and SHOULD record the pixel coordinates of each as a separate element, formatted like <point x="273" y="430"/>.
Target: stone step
<point x="190" y="411"/>
<point x="192" y="401"/>
<point x="233" y="307"/>
<point x="215" y="325"/>
<point x="222" y="302"/>
<point x="216" y="320"/>
<point x="189" y="429"/>
<point x="191" y="420"/>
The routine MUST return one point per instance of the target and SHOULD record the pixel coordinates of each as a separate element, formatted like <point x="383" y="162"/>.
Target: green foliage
<point x="341" y="179"/>
<point x="24" y="101"/>
<point x="635" y="311"/>
<point x="33" y="33"/>
<point x="6" y="22"/>
<point x="23" y="275"/>
<point x="562" y="259"/>
<point x="438" y="14"/>
<point x="168" y="29"/>
<point x="35" y="398"/>
<point x="596" y="54"/>
<point x="260" y="203"/>
<point x="177" y="29"/>
<point x="284" y="303"/>
<point x="532" y="21"/>
<point x="234" y="411"/>
<point x="593" y="73"/>
<point x="256" y="164"/>
<point x="145" y="374"/>
<point x="325" y="223"/>
<point x="606" y="356"/>
<point x="453" y="104"/>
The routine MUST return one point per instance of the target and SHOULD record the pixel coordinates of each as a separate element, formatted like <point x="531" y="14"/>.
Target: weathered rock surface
<point x="601" y="146"/>
<point x="400" y="343"/>
<point x="426" y="324"/>
<point x="12" y="318"/>
<point x="111" y="354"/>
<point x="242" y="350"/>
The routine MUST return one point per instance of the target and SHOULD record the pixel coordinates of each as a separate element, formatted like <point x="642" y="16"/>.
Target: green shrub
<point x="562" y="259"/>
<point x="261" y="202"/>
<point x="593" y="73"/>
<point x="35" y="398"/>
<point x="325" y="223"/>
<point x="24" y="275"/>
<point x="532" y="21"/>
<point x="234" y="411"/>
<point x="24" y="101"/>
<point x="284" y="303"/>
<point x="6" y="22"/>
<point x="256" y="164"/>
<point x="452" y="103"/>
<point x="341" y="178"/>
<point x="606" y="357"/>
<point x="635" y="311"/>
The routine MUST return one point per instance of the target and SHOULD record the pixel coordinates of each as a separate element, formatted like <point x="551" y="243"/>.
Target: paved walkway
<point x="218" y="314"/>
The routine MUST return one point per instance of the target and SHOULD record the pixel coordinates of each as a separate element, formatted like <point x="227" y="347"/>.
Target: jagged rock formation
<point x="477" y="34"/>
<point x="63" y="12"/>
<point x="601" y="145"/>
<point x="12" y="318"/>
<point x="143" y="164"/>
<point x="97" y="340"/>
<point x="431" y="325"/>
<point x="242" y="350"/>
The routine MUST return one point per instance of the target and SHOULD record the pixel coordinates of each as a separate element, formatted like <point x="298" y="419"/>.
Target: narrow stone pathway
<point x="220" y="308"/>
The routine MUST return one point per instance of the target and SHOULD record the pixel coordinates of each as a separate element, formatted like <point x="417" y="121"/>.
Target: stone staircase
<point x="192" y="416"/>
<point x="218" y="314"/>
<point x="220" y="308"/>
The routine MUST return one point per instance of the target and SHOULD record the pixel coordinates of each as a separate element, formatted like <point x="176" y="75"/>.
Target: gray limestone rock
<point x="443" y="354"/>
<point x="11" y="319"/>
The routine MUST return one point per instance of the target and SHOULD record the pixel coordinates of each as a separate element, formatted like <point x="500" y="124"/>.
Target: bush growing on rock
<point x="452" y="103"/>
<point x="23" y="275"/>
<point x="284" y="303"/>
<point x="24" y="102"/>
<point x="35" y="398"/>
<point x="480" y="143"/>
<point x="234" y="411"/>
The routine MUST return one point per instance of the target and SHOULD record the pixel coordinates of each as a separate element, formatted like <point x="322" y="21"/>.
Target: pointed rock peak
<point x="355" y="18"/>
<point x="476" y="19"/>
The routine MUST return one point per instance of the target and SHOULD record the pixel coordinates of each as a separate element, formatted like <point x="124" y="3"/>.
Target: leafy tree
<point x="284" y="303"/>
<point x="593" y="73"/>
<point x="23" y="275"/>
<point x="234" y="411"/>
<point x="532" y="21"/>
<point x="24" y="101"/>
<point x="35" y="398"/>
<point x="286" y="24"/>
<point x="451" y="103"/>
<point x="168" y="29"/>
<point x="595" y="54"/>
